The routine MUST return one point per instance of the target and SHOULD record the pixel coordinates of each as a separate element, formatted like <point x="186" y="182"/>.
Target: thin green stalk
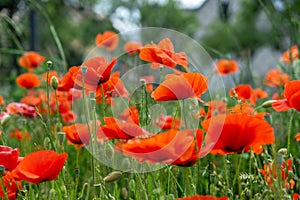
<point x="237" y="163"/>
<point x="289" y="131"/>
<point x="77" y="171"/>
<point x="102" y="104"/>
<point x="142" y="185"/>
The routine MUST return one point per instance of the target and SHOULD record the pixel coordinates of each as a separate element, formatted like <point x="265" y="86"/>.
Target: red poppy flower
<point x="176" y="87"/>
<point x="67" y="82"/>
<point x="246" y="108"/>
<point x="270" y="172"/>
<point x="260" y="93"/>
<point x="203" y="197"/>
<point x="21" y="109"/>
<point x="292" y="95"/>
<point x="239" y="133"/>
<point x="130" y="114"/>
<point x="297" y="136"/>
<point x="3" y="116"/>
<point x="11" y="187"/>
<point x="31" y="60"/>
<point x="171" y="147"/>
<point x="244" y="92"/>
<point x="8" y="157"/>
<point x="290" y="55"/>
<point x="68" y="117"/>
<point x="163" y="53"/>
<point x="1" y="100"/>
<point x="40" y="166"/>
<point x="274" y="78"/>
<point x="168" y="122"/>
<point x="114" y="87"/>
<point x="98" y="71"/>
<point x="19" y="135"/>
<point x="132" y="47"/>
<point x="108" y="40"/>
<point x="226" y="67"/>
<point x="31" y="100"/>
<point x="115" y="129"/>
<point x="295" y="196"/>
<point x="28" y="80"/>
<point x="77" y="134"/>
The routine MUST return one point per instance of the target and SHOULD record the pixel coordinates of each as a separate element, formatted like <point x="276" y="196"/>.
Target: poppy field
<point x="150" y="118"/>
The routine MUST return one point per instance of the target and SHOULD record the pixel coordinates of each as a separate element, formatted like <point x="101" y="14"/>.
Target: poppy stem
<point x="289" y="131"/>
<point x="102" y="104"/>
<point x="49" y="66"/>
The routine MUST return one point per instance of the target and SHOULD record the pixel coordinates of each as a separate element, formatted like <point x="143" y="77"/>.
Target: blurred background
<point x="252" y="31"/>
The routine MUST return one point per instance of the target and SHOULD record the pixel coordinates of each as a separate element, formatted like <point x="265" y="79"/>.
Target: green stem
<point x="289" y="132"/>
<point x="102" y="104"/>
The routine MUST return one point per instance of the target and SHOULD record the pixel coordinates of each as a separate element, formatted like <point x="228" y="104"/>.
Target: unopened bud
<point x="84" y="70"/>
<point x="267" y="104"/>
<point x="61" y="137"/>
<point x="124" y="193"/>
<point x="113" y="176"/>
<point x="49" y="64"/>
<point x="143" y="81"/>
<point x="131" y="185"/>
<point x="109" y="151"/>
<point x="54" y="82"/>
<point x="282" y="151"/>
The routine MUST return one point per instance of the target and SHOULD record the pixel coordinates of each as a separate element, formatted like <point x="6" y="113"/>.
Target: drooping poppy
<point x="98" y="71"/>
<point x="40" y="166"/>
<point x="238" y="133"/>
<point x="132" y="47"/>
<point x="11" y="187"/>
<point x="244" y="92"/>
<point x="163" y="53"/>
<point x="130" y="114"/>
<point x="260" y="93"/>
<point x="28" y="80"/>
<point x="9" y="157"/>
<point x="108" y="40"/>
<point x="172" y="147"/>
<point x="168" y="122"/>
<point x="21" y="109"/>
<point x="274" y="78"/>
<point x="292" y="95"/>
<point x="116" y="129"/>
<point x="31" y="60"/>
<point x="290" y="55"/>
<point x="176" y="87"/>
<point x="203" y="197"/>
<point x="77" y="134"/>
<point x="226" y="67"/>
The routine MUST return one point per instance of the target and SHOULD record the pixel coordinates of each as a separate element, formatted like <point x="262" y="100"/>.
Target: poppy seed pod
<point x="113" y="176"/>
<point x="54" y="82"/>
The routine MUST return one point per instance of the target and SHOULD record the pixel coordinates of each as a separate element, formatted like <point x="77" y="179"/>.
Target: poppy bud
<point x="125" y="164"/>
<point x="109" y="151"/>
<point x="54" y="82"/>
<point x="267" y="104"/>
<point x="113" y="176"/>
<point x="282" y="151"/>
<point x="124" y="193"/>
<point x="131" y="185"/>
<point x="49" y="64"/>
<point x="52" y="194"/>
<point x="84" y="70"/>
<point x="61" y="137"/>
